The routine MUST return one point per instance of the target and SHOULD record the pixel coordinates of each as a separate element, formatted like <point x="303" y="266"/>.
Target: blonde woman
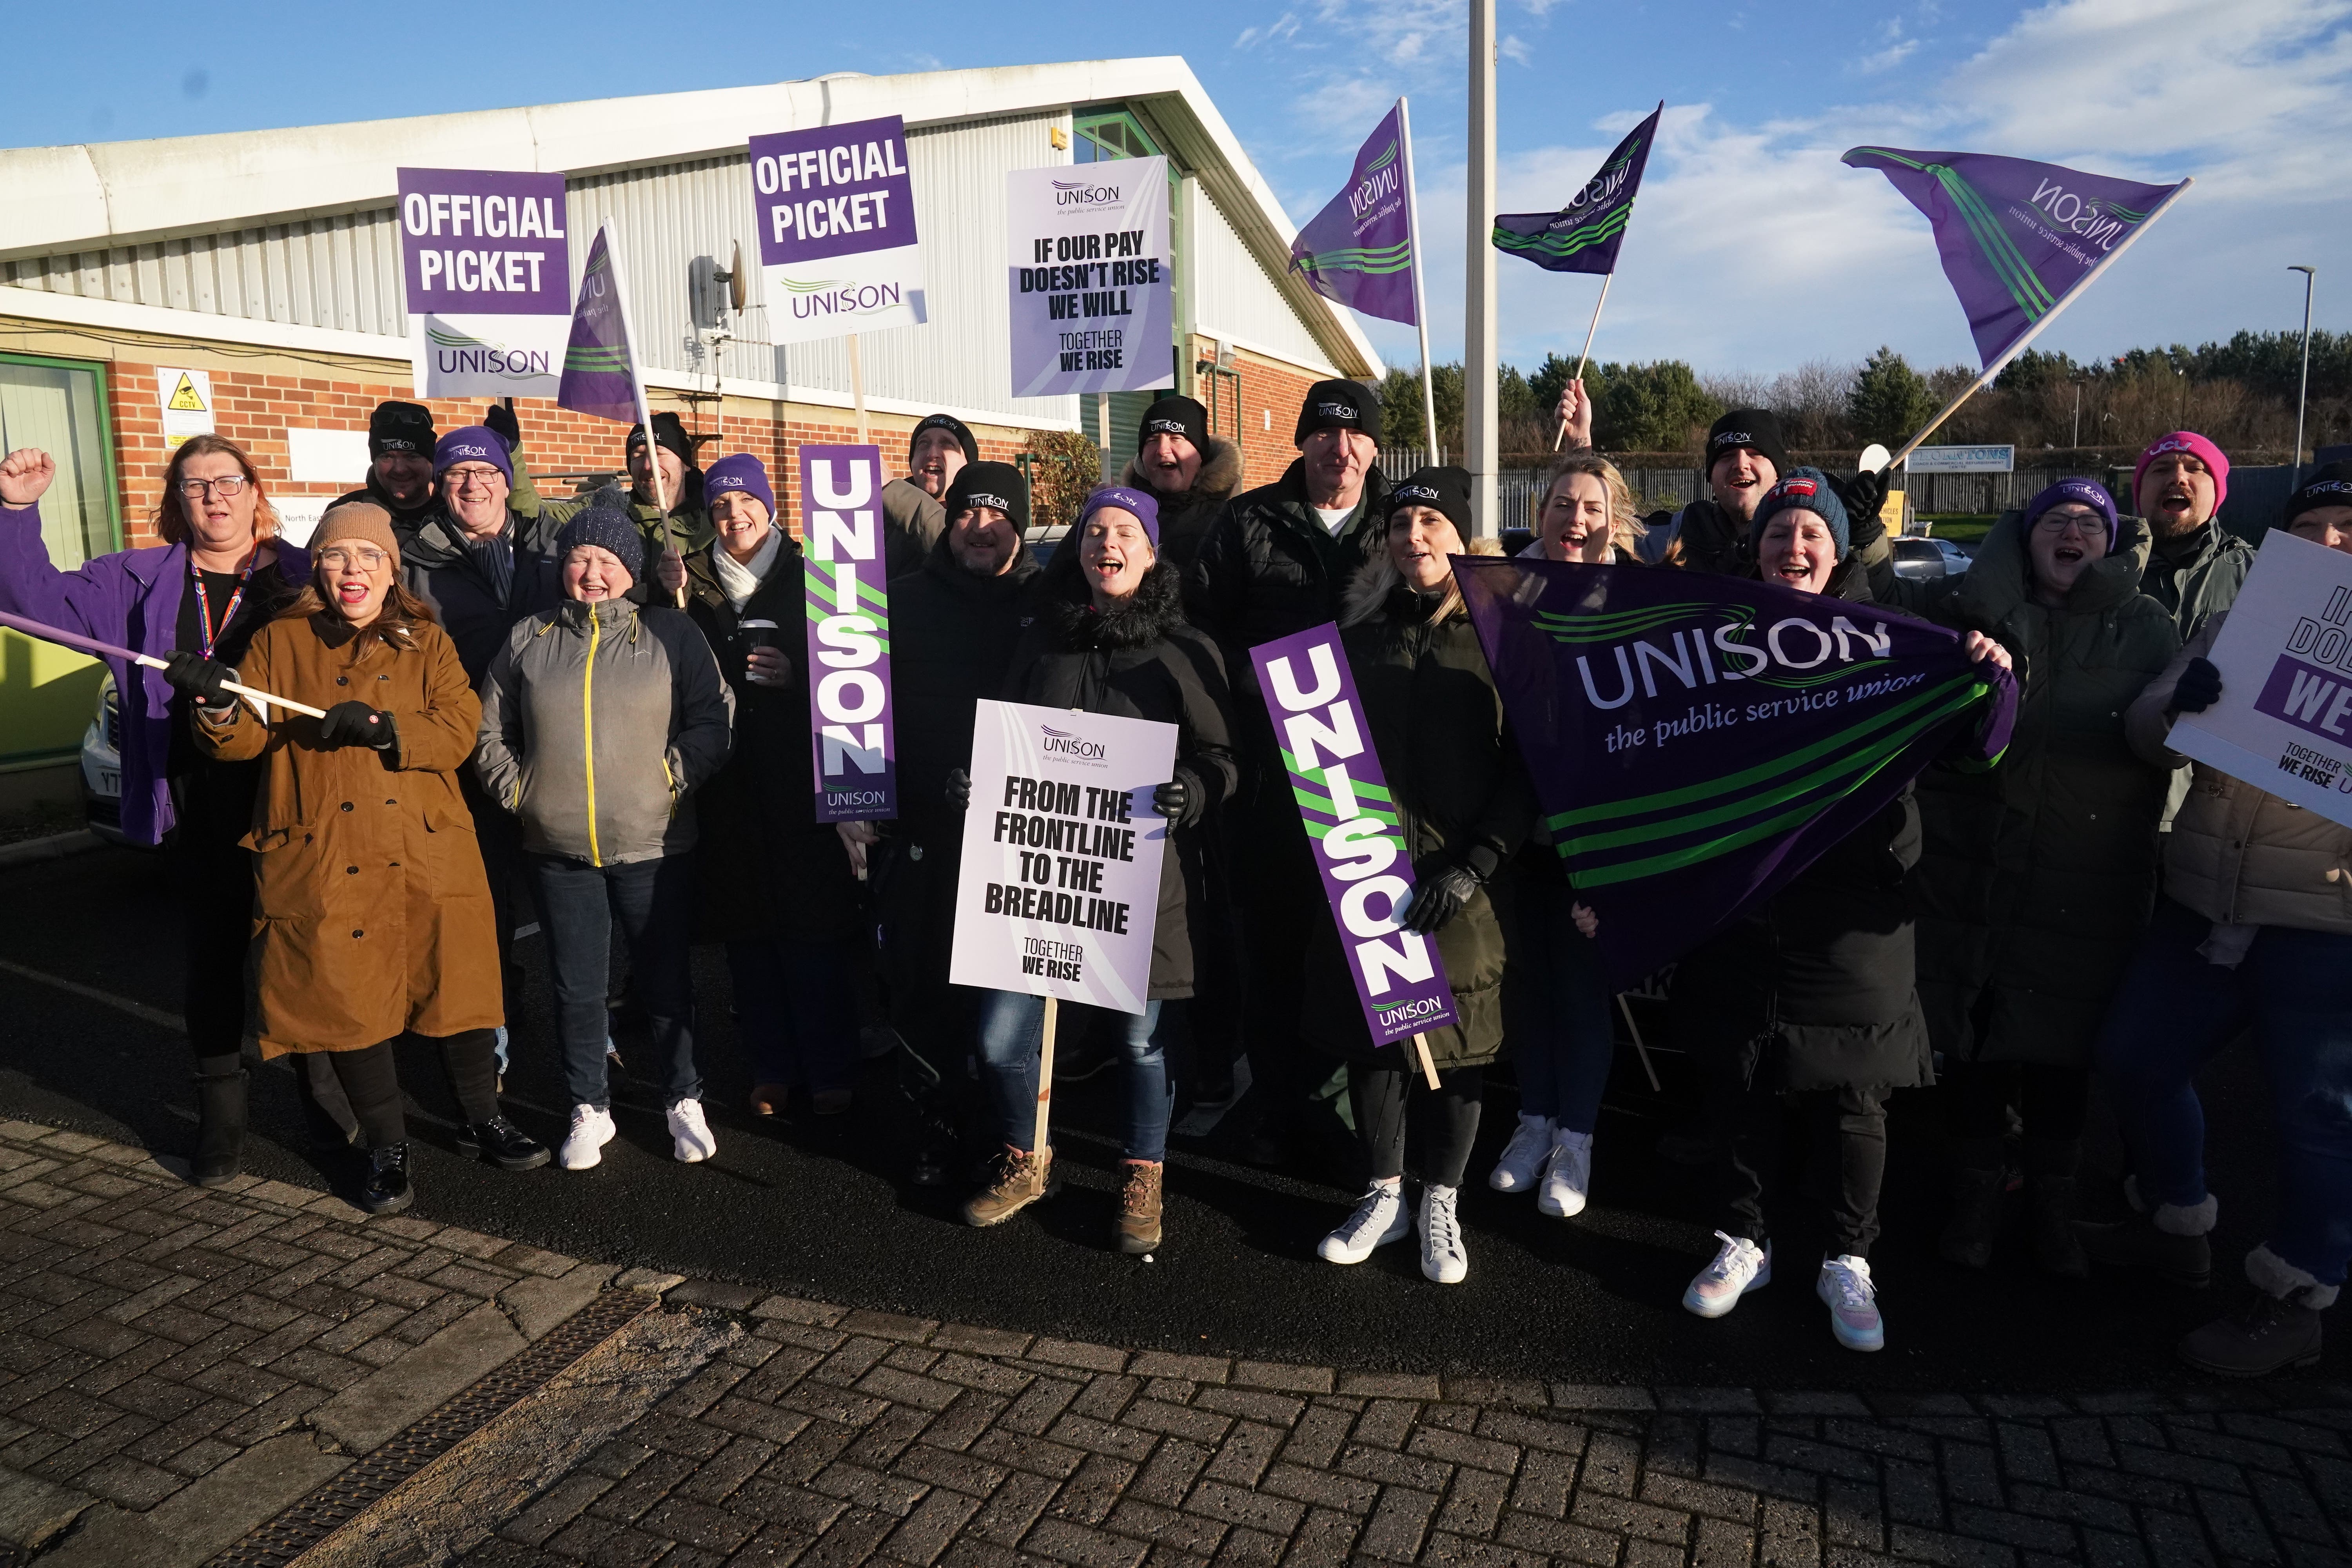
<point x="1587" y="515"/>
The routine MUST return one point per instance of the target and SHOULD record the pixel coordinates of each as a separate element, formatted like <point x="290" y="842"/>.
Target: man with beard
<point x="912" y="518"/>
<point x="2197" y="566"/>
<point x="1746" y="456"/>
<point x="400" y="462"/>
<point x="1190" y="472"/>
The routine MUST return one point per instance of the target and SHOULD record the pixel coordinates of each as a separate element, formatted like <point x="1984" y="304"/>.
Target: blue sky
<point x="1750" y="249"/>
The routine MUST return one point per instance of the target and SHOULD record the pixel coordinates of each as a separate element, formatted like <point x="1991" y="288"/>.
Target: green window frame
<point x="1107" y="131"/>
<point x="62" y="406"/>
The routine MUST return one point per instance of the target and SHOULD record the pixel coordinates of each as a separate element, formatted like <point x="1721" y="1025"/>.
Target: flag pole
<point x="2001" y="361"/>
<point x="644" y="413"/>
<point x="1420" y="307"/>
<point x="1606" y="278"/>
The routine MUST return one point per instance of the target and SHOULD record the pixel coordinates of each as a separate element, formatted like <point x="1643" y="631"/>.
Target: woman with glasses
<point x="2036" y="879"/>
<point x="195" y="600"/>
<point x="374" y="919"/>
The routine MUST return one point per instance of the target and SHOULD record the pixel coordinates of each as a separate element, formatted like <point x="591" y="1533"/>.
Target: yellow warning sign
<point x="186" y="399"/>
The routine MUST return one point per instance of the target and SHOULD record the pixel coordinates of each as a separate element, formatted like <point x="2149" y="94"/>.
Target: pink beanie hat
<point x="2197" y="446"/>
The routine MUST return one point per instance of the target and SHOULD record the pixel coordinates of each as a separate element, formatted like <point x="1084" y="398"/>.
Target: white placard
<point x="186" y="399"/>
<point x="327" y="456"/>
<point x="2284" y="722"/>
<point x="1963" y="460"/>
<point x="1059" y="886"/>
<point x="1092" y="279"/>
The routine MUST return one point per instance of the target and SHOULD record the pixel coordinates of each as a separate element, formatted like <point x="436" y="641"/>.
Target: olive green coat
<point x="2036" y="876"/>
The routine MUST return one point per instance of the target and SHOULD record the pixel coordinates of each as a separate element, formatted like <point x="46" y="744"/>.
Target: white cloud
<point x="1513" y="47"/>
<point x="1283" y="26"/>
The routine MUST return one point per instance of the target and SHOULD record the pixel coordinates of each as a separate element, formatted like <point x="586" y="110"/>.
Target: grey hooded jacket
<point x="598" y="721"/>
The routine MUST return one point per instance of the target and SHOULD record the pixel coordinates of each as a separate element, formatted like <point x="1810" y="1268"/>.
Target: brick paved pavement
<point x="154" y="1339"/>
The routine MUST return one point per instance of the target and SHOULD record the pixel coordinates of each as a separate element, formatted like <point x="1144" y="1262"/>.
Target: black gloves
<point x="959" y="789"/>
<point x="355" y="724"/>
<point x="500" y="421"/>
<point x="199" y="677"/>
<point x="2199" y="688"/>
<point x="1862" y="496"/>
<point x="1438" y="895"/>
<point x="1177" y="800"/>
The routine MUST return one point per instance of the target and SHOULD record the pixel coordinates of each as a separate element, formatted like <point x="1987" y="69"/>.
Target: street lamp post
<point x="2078" y="413"/>
<point x="2304" y="391"/>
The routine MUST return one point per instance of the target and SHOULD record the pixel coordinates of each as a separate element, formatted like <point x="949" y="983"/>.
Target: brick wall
<point x="1268" y="394"/>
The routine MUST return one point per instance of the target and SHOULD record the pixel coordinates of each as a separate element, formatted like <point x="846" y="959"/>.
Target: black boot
<point x="2049" y="1194"/>
<point x="220" y="1120"/>
<point x="503" y="1144"/>
<point x="1978" y="1184"/>
<point x="386" y="1189"/>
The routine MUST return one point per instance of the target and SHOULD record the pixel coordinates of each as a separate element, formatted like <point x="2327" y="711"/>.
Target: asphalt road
<point x="823" y="1208"/>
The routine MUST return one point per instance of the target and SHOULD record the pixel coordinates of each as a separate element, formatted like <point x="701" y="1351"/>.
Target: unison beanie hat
<point x="741" y="472"/>
<point x="360" y="519"/>
<point x="400" y="427"/>
<point x="669" y="434"/>
<point x="1174" y="415"/>
<point x="1804" y="490"/>
<point x="953" y="427"/>
<point x="1758" y="429"/>
<point x="1447" y="490"/>
<point x="1338" y="406"/>
<point x="2197" y="446"/>
<point x="2329" y="485"/>
<point x="472" y="444"/>
<point x="998" y="485"/>
<point x="1146" y="509"/>
<point x="608" y="527"/>
<point x="2089" y="493"/>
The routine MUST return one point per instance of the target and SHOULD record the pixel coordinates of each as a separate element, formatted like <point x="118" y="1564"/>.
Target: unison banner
<point x="1359" y="248"/>
<point x="1351" y="822"/>
<point x="835" y="208"/>
<point x="485" y="259"/>
<point x="1059" y="886"/>
<point x="1583" y="235"/>
<point x="1696" y="742"/>
<point x="1094" y="286"/>
<point x="2284" y="722"/>
<point x="848" y="633"/>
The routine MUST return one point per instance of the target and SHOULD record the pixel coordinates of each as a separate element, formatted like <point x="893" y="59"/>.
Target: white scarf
<point x="739" y="581"/>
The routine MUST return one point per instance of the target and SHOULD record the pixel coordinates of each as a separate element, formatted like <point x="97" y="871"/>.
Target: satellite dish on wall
<point x="737" y="288"/>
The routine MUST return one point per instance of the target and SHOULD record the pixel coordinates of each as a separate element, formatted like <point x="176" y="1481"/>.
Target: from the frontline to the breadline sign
<point x="835" y="209"/>
<point x="1092" y="281"/>
<point x="486" y="261"/>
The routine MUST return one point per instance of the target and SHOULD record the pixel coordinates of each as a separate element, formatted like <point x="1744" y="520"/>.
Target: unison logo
<point x="1080" y="193"/>
<point x="1381" y="180"/>
<point x="2098" y="221"/>
<point x="455" y="353"/>
<point x="1060" y="742"/>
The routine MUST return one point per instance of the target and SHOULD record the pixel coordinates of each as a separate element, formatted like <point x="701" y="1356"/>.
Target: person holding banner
<point x="1463" y="800"/>
<point x="372" y="915"/>
<point x="600" y="719"/>
<point x="2255" y="930"/>
<point x="1746" y="456"/>
<point x="1110" y="638"/>
<point x="688" y="521"/>
<point x="220" y="575"/>
<point x="2036" y="878"/>
<point x="779" y="890"/>
<point x="912" y="517"/>
<point x="1812" y="992"/>
<point x="2198" y="565"/>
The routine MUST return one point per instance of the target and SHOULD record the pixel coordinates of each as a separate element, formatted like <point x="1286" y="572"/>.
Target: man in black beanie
<point x="1190" y="472"/>
<point x="938" y="446"/>
<point x="400" y="463"/>
<point x="1745" y="456"/>
<point x="690" y="518"/>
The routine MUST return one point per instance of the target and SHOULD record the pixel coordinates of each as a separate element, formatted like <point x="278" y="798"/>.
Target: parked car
<point x="101" y="767"/>
<point x="1928" y="558"/>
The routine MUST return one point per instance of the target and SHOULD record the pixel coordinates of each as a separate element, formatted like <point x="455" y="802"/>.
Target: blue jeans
<point x="654" y="903"/>
<point x="2176" y="1012"/>
<point x="799" y="1017"/>
<point x="1556" y="1008"/>
<point x="1012" y="1031"/>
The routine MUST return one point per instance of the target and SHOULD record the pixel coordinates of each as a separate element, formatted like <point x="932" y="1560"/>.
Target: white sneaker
<point x="1567" y="1175"/>
<point x="1442" y="1257"/>
<point x="690" y="1134"/>
<point x="584" y="1146"/>
<point x="1523" y="1156"/>
<point x="1740" y="1267"/>
<point x="1378" y="1219"/>
<point x="1844" y="1284"/>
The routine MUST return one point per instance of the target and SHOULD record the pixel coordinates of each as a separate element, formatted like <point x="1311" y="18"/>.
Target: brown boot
<point x="1021" y="1180"/>
<point x="1139" y="1208"/>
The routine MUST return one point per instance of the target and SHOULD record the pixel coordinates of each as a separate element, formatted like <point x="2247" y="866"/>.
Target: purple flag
<point x="1359" y="249"/>
<point x="2016" y="236"/>
<point x="1583" y="235"/>
<point x="848" y="633"/>
<point x="1351" y="820"/>
<point x="1696" y="742"/>
<point x="600" y="373"/>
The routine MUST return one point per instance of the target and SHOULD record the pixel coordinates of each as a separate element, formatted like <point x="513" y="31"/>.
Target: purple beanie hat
<point x="2089" y="493"/>
<point x="471" y="443"/>
<point x="741" y="472"/>
<point x="1146" y="509"/>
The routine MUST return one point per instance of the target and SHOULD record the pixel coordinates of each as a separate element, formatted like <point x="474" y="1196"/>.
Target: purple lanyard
<point x="204" y="607"/>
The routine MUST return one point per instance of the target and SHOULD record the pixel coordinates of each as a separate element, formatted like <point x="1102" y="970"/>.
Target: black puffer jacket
<point x="1139" y="661"/>
<point x="952" y="636"/>
<point x="403" y="518"/>
<point x="1186" y="516"/>
<point x="438" y="566"/>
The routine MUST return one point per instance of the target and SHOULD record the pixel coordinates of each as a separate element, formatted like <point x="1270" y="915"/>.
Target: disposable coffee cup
<point x="750" y="635"/>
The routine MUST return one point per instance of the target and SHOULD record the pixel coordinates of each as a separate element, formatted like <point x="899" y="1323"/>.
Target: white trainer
<point x="690" y="1134"/>
<point x="1846" y="1286"/>
<point x="1378" y="1218"/>
<point x="1567" y="1175"/>
<point x="1740" y="1266"/>
<point x="1523" y="1156"/>
<point x="583" y="1145"/>
<point x="1442" y="1257"/>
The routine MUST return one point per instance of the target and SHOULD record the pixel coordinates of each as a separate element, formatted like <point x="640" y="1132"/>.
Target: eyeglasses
<point x="475" y="476"/>
<point x="194" y="489"/>
<point x="2090" y="526"/>
<point x="367" y="558"/>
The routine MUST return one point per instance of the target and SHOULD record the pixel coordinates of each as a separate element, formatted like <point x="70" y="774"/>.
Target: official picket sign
<point x="1351" y="821"/>
<point x="1058" y="890"/>
<point x="835" y="209"/>
<point x="848" y="633"/>
<point x="485" y="259"/>
<point x="2284" y="722"/>
<point x="1093" y="282"/>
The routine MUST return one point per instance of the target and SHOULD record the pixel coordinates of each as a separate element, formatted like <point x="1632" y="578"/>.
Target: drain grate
<point x="366" y="1481"/>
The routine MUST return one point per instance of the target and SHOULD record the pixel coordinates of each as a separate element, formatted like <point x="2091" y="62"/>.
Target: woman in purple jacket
<point x="195" y="601"/>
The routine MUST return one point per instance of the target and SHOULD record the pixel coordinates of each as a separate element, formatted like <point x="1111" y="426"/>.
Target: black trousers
<point x="1386" y="1097"/>
<point x="2055" y="1102"/>
<point x="513" y="898"/>
<point x="1845" y="1133"/>
<point x="370" y="1080"/>
<point x="1281" y="899"/>
<point x="212" y="877"/>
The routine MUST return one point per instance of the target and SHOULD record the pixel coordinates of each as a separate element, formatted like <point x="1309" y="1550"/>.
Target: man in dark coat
<point x="1745" y="457"/>
<point x="937" y="449"/>
<point x="400" y="463"/>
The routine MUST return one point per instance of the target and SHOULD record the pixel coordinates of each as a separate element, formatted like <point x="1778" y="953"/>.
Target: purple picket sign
<point x="832" y="190"/>
<point x="1351" y="823"/>
<point x="480" y="242"/>
<point x="850" y="720"/>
